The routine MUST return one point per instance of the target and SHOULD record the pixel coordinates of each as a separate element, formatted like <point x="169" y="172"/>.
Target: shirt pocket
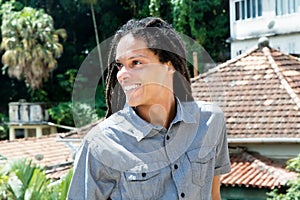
<point x="202" y="164"/>
<point x="144" y="185"/>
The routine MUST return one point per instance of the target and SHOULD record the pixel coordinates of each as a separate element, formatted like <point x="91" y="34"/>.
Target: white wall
<point x="284" y="31"/>
<point x="275" y="151"/>
<point x="289" y="44"/>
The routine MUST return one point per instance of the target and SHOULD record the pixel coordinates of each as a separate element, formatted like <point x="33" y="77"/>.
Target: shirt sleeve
<point x="222" y="160"/>
<point x="91" y="179"/>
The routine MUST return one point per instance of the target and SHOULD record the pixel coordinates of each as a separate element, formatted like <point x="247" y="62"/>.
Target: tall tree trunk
<point x="97" y="42"/>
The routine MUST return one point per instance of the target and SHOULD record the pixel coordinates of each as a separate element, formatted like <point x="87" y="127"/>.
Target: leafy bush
<point x="3" y="127"/>
<point x="63" y="114"/>
<point x="293" y="191"/>
<point x="59" y="189"/>
<point x="23" y="180"/>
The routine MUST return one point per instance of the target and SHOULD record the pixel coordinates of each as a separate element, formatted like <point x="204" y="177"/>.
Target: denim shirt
<point x="124" y="157"/>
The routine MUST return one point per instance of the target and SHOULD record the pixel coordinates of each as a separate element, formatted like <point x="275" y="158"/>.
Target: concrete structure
<point x="31" y="118"/>
<point x="276" y="19"/>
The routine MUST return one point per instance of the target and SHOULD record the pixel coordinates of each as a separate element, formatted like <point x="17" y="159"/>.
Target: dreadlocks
<point x="165" y="42"/>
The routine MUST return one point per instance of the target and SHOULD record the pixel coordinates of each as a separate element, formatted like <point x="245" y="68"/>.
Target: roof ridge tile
<point x="280" y="75"/>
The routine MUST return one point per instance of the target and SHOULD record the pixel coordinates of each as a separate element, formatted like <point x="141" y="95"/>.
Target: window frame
<point x="247" y="9"/>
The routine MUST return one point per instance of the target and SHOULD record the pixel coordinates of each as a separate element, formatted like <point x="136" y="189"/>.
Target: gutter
<point x="263" y="140"/>
<point x="62" y="126"/>
<point x="60" y="139"/>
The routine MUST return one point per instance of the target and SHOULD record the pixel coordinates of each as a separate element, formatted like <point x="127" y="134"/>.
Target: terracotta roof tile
<point x="52" y="152"/>
<point x="254" y="170"/>
<point x="261" y="90"/>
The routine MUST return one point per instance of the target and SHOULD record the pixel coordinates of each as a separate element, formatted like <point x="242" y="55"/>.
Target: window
<point x="245" y="9"/>
<point x="285" y="7"/>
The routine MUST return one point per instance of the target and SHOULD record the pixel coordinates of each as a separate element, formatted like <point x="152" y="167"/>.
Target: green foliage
<point x="3" y="127"/>
<point x="294" y="164"/>
<point x="204" y="21"/>
<point x="154" y="8"/>
<point x="22" y="180"/>
<point x="38" y="95"/>
<point x="63" y="113"/>
<point x="293" y="191"/>
<point x="31" y="44"/>
<point x="59" y="189"/>
<point x="163" y="9"/>
<point x="67" y="80"/>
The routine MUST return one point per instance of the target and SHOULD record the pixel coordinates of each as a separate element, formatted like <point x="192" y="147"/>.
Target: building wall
<point x="283" y="29"/>
<point x="289" y="44"/>
<point x="274" y="151"/>
<point x="243" y="193"/>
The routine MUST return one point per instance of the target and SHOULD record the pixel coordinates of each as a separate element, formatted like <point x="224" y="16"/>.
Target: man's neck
<point x="160" y="114"/>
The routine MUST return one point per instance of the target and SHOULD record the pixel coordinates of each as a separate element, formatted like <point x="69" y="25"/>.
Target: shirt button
<point x="144" y="174"/>
<point x="182" y="195"/>
<point x="168" y="137"/>
<point x="175" y="166"/>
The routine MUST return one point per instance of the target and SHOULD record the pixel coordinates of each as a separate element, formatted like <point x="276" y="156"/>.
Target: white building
<point x="279" y="20"/>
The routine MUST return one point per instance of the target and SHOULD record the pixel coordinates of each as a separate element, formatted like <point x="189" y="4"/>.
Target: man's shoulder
<point x="202" y="106"/>
<point x="205" y="106"/>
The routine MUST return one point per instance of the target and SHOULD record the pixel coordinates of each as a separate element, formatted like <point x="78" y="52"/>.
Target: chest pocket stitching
<point x="200" y="160"/>
<point x="147" y="186"/>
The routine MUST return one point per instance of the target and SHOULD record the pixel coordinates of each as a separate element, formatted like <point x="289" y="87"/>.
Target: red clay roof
<point x="261" y="90"/>
<point x="57" y="156"/>
<point x="254" y="170"/>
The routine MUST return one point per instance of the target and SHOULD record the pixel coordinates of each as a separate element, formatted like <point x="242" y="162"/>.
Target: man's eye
<point x="118" y="65"/>
<point x="135" y="62"/>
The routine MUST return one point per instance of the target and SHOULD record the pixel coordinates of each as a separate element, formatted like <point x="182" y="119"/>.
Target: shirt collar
<point x="141" y="128"/>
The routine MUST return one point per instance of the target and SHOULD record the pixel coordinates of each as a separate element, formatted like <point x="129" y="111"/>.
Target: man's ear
<point x="170" y="66"/>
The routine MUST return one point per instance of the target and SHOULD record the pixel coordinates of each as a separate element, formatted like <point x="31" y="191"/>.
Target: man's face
<point x="144" y="79"/>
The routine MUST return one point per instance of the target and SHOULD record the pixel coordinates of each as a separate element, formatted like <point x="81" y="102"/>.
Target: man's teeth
<point x="130" y="87"/>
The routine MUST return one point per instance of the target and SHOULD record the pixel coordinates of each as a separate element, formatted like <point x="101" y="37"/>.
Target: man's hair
<point x="162" y="39"/>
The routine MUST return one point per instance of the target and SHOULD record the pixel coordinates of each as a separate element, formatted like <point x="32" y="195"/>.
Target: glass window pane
<point x="284" y="7"/>
<point x="259" y="12"/>
<point x="293" y="6"/>
<point x="237" y="10"/>
<point x="243" y="9"/>
<point x="277" y="7"/>
<point x="254" y="8"/>
<point x="248" y="9"/>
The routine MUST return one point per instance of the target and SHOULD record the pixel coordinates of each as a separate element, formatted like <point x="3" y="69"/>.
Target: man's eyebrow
<point x="132" y="57"/>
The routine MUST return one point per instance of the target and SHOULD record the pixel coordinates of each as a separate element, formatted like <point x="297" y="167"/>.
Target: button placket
<point x="182" y="195"/>
<point x="175" y="166"/>
<point x="167" y="137"/>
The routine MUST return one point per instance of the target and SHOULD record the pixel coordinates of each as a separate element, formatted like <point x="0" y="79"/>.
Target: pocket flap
<point x="202" y="154"/>
<point x="140" y="176"/>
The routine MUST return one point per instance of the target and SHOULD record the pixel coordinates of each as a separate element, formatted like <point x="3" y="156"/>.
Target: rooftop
<point x="253" y="170"/>
<point x="46" y="151"/>
<point x="261" y="93"/>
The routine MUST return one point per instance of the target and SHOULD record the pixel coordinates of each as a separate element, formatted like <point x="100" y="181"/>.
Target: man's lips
<point x="132" y="87"/>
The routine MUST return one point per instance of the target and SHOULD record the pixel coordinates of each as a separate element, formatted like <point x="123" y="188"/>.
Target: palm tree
<point x="21" y="179"/>
<point x="31" y="44"/>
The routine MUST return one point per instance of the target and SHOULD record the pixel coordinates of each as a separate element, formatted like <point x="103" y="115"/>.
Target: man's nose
<point x="123" y="74"/>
